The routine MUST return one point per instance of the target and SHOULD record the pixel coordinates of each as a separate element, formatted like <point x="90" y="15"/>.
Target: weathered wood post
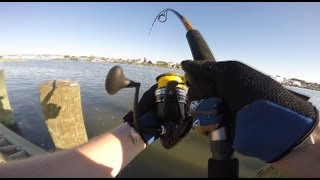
<point x="61" y="106"/>
<point x="6" y="115"/>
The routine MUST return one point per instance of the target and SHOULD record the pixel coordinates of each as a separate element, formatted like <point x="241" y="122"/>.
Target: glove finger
<point x="199" y="69"/>
<point x="146" y="103"/>
<point x="201" y="83"/>
<point x="205" y="112"/>
<point x="201" y="89"/>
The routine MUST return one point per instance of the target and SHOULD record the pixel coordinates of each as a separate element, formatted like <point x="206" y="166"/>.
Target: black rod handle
<point x="220" y="165"/>
<point x="223" y="168"/>
<point x="199" y="48"/>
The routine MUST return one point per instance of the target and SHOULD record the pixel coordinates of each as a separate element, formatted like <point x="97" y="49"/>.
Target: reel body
<point x="171" y="102"/>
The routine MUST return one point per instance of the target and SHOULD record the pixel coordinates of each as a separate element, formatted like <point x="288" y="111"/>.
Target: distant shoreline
<point x="12" y="60"/>
<point x="293" y="82"/>
<point x="161" y="65"/>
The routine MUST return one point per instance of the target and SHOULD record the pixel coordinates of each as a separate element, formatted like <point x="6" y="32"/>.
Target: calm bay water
<point x="102" y="112"/>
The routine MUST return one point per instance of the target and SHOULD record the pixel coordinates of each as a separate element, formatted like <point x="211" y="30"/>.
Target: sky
<point x="275" y="38"/>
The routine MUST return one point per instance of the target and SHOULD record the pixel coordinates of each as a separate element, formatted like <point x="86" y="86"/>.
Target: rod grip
<point x="223" y="168"/>
<point x="199" y="48"/>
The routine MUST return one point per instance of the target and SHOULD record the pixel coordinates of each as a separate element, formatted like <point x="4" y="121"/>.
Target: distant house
<point x="84" y="58"/>
<point x="11" y="57"/>
<point x="56" y="57"/>
<point x="296" y="83"/>
<point x="172" y="64"/>
<point x="278" y="78"/>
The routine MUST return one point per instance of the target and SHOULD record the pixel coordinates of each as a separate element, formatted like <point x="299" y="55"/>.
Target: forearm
<point x="114" y="155"/>
<point x="103" y="156"/>
<point x="303" y="161"/>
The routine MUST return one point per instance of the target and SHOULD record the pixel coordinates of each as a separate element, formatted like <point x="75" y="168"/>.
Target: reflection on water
<point x="103" y="112"/>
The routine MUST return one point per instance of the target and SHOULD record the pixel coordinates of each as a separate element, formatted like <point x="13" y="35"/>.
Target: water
<point x="103" y="112"/>
<point x="306" y="92"/>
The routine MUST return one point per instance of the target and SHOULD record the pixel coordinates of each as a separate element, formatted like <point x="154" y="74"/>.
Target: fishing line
<point x="164" y="13"/>
<point x="163" y="16"/>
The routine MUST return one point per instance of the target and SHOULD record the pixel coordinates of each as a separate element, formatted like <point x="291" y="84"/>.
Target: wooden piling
<point x="6" y="115"/>
<point x="61" y="106"/>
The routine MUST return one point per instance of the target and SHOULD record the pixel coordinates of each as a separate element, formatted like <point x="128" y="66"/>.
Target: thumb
<point x="199" y="69"/>
<point x="199" y="79"/>
<point x="192" y="67"/>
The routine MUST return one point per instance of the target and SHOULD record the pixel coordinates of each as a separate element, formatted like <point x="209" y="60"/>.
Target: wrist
<point x="301" y="162"/>
<point x="148" y="122"/>
<point x="315" y="135"/>
<point x="305" y="155"/>
<point x="134" y="135"/>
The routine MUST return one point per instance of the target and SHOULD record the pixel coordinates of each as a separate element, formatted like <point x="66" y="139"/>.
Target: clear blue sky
<point x="276" y="38"/>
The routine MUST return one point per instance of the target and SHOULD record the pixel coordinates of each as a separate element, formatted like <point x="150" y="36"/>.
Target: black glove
<point x="146" y="104"/>
<point x="147" y="111"/>
<point x="269" y="120"/>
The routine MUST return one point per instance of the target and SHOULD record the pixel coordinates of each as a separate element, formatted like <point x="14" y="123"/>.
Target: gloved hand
<point x="147" y="110"/>
<point x="268" y="121"/>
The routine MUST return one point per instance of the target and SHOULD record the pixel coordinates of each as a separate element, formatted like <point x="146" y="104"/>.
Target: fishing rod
<point x="199" y="48"/>
<point x="222" y="164"/>
<point x="171" y="102"/>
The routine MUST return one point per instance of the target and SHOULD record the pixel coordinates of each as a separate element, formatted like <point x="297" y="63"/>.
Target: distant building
<point x="296" y="83"/>
<point x="172" y="65"/>
<point x="11" y="57"/>
<point x="278" y="78"/>
<point x="57" y="57"/>
<point x="83" y="58"/>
